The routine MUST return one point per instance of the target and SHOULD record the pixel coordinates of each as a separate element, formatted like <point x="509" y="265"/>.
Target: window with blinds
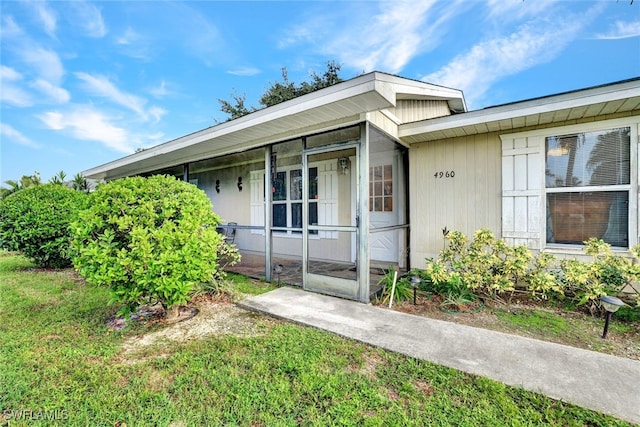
<point x="587" y="181"/>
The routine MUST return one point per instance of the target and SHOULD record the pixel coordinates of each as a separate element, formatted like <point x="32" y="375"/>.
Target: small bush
<point x="605" y="274"/>
<point x="150" y="240"/>
<point x="35" y="221"/>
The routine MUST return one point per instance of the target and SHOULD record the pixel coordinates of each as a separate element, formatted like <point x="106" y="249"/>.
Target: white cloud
<point x="376" y="36"/>
<point x="47" y="17"/>
<point x="11" y="133"/>
<point x="156" y="113"/>
<point x="159" y="91"/>
<point x="9" y="74"/>
<point x="128" y="37"/>
<point x="11" y="93"/>
<point x="489" y="61"/>
<point x="45" y="62"/>
<point x="622" y="30"/>
<point x="244" y="71"/>
<point x="88" y="124"/>
<point x="55" y="93"/>
<point x="89" y="17"/>
<point x="516" y="10"/>
<point x="102" y="86"/>
<point x="9" y="28"/>
<point x="134" y="45"/>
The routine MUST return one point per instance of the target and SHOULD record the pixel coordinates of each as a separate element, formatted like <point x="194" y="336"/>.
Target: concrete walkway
<point x="561" y="372"/>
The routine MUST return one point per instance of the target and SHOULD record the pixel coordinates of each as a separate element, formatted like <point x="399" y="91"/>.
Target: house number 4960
<point x="444" y="174"/>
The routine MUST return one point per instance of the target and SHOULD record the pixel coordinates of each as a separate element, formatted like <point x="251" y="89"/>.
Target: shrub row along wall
<point x="491" y="268"/>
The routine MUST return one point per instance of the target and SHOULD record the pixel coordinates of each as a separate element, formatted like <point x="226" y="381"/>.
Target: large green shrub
<point x="150" y="240"/>
<point x="35" y="221"/>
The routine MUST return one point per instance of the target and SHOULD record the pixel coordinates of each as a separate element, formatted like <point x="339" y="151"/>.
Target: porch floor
<point x="252" y="265"/>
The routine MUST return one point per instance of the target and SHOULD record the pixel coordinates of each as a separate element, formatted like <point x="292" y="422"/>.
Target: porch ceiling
<point x="579" y="105"/>
<point x="332" y="107"/>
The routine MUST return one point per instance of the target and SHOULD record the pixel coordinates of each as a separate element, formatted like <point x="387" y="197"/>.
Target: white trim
<point x="581" y="98"/>
<point x="582" y="127"/>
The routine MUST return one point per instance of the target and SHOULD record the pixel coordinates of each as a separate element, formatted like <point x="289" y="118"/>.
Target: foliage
<point x="490" y="267"/>
<point x="36" y="221"/>
<point x="605" y="274"/>
<point x="27" y="181"/>
<point x="541" y="279"/>
<point x="148" y="239"/>
<point x="80" y="183"/>
<point x="403" y="290"/>
<point x="228" y="255"/>
<point x="282" y="91"/>
<point x="58" y="178"/>
<point x="485" y="265"/>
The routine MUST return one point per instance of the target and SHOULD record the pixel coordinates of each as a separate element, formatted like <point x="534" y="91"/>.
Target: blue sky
<point x="83" y="83"/>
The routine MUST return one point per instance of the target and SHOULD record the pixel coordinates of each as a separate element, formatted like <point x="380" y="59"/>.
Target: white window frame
<point x="533" y="142"/>
<point x="258" y="205"/>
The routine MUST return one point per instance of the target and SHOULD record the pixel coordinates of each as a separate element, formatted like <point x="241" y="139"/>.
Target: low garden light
<point x="278" y="269"/>
<point x="415" y="281"/>
<point x="611" y="304"/>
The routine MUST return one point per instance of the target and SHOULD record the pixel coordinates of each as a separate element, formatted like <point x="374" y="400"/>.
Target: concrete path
<point x="561" y="372"/>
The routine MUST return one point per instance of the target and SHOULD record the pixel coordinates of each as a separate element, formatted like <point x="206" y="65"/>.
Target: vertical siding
<point x="415" y="110"/>
<point x="466" y="202"/>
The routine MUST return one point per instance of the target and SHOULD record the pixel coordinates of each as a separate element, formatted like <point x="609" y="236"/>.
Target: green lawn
<point x="59" y="359"/>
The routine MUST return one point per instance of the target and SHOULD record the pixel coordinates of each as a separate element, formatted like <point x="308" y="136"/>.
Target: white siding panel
<point x="520" y="205"/>
<point x="533" y="171"/>
<point x="520" y="172"/>
<point x="507" y="173"/>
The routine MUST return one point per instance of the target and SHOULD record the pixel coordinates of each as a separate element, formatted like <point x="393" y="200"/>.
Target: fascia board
<point x="334" y="94"/>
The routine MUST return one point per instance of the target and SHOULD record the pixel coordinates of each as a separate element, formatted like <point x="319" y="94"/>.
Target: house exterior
<point x="370" y="171"/>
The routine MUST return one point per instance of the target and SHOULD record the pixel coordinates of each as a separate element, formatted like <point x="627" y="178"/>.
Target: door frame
<point x="336" y="286"/>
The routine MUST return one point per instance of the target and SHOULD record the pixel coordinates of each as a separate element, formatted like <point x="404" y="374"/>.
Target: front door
<point x="329" y="224"/>
<point x="385" y="196"/>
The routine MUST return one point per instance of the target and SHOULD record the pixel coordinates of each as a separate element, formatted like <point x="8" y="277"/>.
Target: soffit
<point x="579" y="105"/>
<point x="332" y="107"/>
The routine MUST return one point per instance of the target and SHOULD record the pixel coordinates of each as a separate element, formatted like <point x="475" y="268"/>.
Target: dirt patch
<point x="212" y="318"/>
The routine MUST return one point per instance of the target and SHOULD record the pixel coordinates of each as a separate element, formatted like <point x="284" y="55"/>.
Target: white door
<point x="385" y="197"/>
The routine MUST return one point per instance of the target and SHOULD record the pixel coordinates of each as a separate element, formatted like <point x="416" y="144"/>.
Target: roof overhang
<point x="335" y="106"/>
<point x="577" y="105"/>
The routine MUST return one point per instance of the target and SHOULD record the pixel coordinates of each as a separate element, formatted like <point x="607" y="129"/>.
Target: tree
<point x="237" y="108"/>
<point x="282" y="91"/>
<point x="80" y="183"/>
<point x="59" y="178"/>
<point x="27" y="181"/>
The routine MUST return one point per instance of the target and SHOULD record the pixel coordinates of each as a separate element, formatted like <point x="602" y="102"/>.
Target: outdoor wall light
<point x="611" y="304"/>
<point x="343" y="164"/>
<point x="239" y="183"/>
<point x="415" y="281"/>
<point x="217" y="185"/>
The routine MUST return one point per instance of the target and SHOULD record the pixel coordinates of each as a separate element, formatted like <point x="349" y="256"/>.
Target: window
<point x="287" y="199"/>
<point x="381" y="189"/>
<point x="587" y="185"/>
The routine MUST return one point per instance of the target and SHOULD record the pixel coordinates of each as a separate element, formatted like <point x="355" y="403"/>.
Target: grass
<point x="59" y="359"/>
